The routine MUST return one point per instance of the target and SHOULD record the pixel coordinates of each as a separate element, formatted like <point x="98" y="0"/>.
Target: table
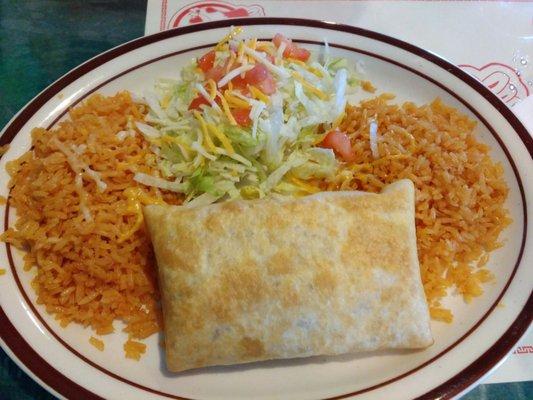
<point x="40" y="41"/>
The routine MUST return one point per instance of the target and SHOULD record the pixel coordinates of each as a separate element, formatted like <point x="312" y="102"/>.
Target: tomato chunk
<point x="339" y="142"/>
<point x="216" y="73"/>
<point x="242" y="116"/>
<point x="197" y="102"/>
<point x="298" y="53"/>
<point x="279" y="39"/>
<point x="257" y="74"/>
<point x="207" y="61"/>
<point x="267" y="86"/>
<point x="291" y="50"/>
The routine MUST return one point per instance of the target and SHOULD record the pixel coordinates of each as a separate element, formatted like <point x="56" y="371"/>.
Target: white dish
<point x="482" y="333"/>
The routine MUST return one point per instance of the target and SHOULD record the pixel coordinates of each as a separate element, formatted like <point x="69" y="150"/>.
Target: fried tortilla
<point x="330" y="273"/>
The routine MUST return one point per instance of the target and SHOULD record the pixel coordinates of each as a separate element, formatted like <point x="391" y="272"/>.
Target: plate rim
<point x="48" y="376"/>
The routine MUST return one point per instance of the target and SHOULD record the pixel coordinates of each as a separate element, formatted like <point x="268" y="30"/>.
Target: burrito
<point x="326" y="274"/>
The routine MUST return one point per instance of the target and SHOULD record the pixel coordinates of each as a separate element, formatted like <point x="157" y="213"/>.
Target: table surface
<point x="42" y="40"/>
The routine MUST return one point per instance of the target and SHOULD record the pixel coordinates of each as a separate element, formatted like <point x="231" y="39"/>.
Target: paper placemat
<point x="491" y="40"/>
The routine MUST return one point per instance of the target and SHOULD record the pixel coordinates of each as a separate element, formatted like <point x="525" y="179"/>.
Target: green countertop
<point x="42" y="40"/>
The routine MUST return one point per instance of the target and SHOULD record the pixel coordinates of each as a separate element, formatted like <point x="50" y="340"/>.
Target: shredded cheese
<point x="233" y="74"/>
<point x="202" y="152"/>
<point x="79" y="150"/>
<point x="206" y="96"/>
<point x="226" y="109"/>
<point x="279" y="52"/>
<point x="305" y="186"/>
<point x="160" y="183"/>
<point x="235" y="101"/>
<point x="240" y="52"/>
<point x="78" y="182"/>
<point x="233" y="33"/>
<point x="259" y="95"/>
<point x="262" y="45"/>
<point x="253" y="43"/>
<point x="79" y="166"/>
<point x="262" y="59"/>
<point x="136" y="197"/>
<point x="373" y="133"/>
<point x="203" y="126"/>
<point x="223" y="138"/>
<point x="234" y="156"/>
<point x="124" y="134"/>
<point x="313" y="89"/>
<point x="211" y="84"/>
<point x="231" y="62"/>
<point x="309" y="68"/>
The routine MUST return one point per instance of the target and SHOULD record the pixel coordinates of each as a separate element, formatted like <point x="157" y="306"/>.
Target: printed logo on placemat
<point x="203" y="11"/>
<point x="524" y="350"/>
<point x="503" y="80"/>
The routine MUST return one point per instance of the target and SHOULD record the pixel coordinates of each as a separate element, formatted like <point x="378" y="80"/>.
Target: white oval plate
<point x="482" y="334"/>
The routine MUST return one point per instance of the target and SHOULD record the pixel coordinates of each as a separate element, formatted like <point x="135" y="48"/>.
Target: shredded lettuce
<point x="204" y="154"/>
<point x="320" y="163"/>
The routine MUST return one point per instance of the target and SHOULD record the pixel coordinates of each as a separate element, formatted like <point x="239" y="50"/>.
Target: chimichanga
<point x="331" y="273"/>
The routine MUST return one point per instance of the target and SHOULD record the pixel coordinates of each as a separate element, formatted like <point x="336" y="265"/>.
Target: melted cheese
<point x="306" y="187"/>
<point x="135" y="198"/>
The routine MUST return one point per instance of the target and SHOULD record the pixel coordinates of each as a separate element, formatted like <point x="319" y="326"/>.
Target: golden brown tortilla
<point x="330" y="273"/>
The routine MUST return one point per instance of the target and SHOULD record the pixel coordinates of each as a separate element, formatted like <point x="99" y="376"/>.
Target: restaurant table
<point x="42" y="40"/>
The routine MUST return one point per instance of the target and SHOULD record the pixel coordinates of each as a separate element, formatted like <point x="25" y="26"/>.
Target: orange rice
<point x="134" y="349"/>
<point x="99" y="344"/>
<point x="90" y="272"/>
<point x="460" y="191"/>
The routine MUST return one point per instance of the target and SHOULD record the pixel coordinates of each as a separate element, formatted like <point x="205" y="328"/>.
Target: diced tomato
<point x="291" y="50"/>
<point x="267" y="86"/>
<point x="197" y="102"/>
<point x="259" y="77"/>
<point x="239" y="83"/>
<point x="279" y="39"/>
<point x="242" y="116"/>
<point x="297" y="53"/>
<point x="340" y="143"/>
<point x="257" y="74"/>
<point x="207" y="61"/>
<point x="215" y="73"/>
